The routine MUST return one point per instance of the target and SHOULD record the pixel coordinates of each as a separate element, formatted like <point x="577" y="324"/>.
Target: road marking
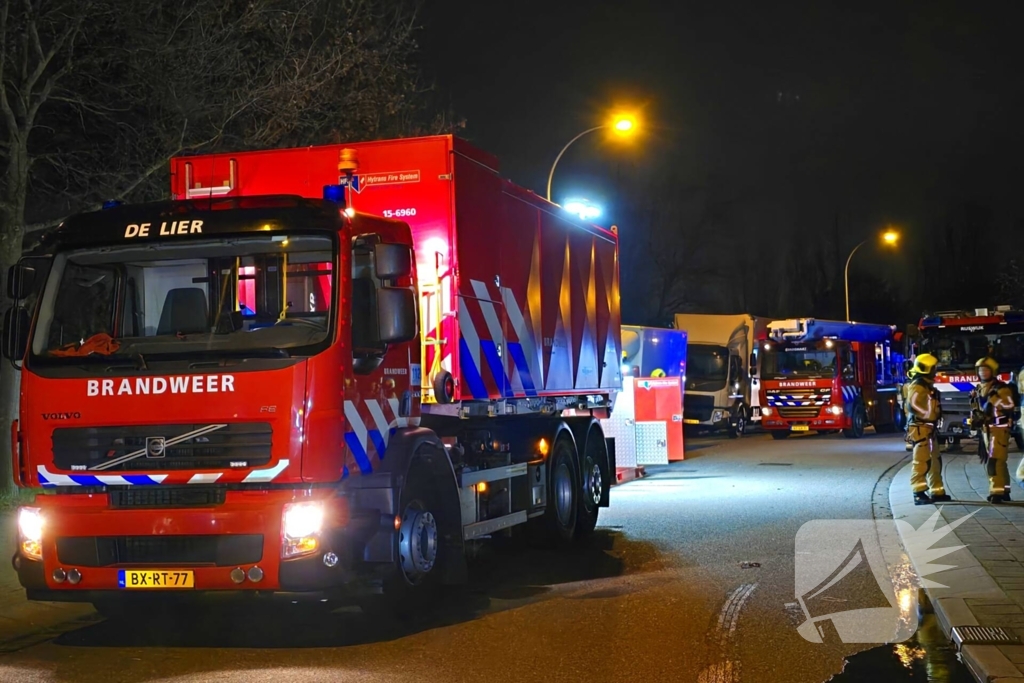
<point x="722" y="636"/>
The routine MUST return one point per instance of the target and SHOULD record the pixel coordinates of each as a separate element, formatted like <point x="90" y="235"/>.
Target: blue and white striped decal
<point x="48" y="479"/>
<point x="954" y="386"/>
<point x="850" y="394"/>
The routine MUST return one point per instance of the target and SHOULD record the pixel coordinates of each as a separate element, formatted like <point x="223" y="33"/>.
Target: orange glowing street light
<point x="890" y="238"/>
<point x="623" y="125"/>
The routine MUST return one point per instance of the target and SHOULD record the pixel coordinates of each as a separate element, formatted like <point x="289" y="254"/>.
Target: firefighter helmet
<point x="924" y="364"/>
<point x="989" y="363"/>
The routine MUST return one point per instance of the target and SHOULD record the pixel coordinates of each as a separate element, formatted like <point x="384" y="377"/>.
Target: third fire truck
<point x="826" y="376"/>
<point x="958" y="339"/>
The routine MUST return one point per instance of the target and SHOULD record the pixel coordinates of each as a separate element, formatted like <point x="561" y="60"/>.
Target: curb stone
<point x="972" y="594"/>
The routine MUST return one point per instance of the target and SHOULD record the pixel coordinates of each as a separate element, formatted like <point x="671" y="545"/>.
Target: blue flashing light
<point x="1013" y="317"/>
<point x="932" y="320"/>
<point x="112" y="203"/>
<point x="334" y="193"/>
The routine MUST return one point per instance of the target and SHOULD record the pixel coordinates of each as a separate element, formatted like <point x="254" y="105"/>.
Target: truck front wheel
<point x="858" y="420"/>
<point x="738" y="425"/>
<point x="420" y="545"/>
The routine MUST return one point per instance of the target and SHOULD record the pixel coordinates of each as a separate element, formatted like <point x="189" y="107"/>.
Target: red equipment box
<point x="518" y="299"/>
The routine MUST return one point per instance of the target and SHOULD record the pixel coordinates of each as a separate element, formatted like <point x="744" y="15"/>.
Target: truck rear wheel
<point x="594" y="474"/>
<point x="563" y="491"/>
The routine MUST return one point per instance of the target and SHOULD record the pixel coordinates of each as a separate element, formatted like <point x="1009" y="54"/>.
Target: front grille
<point x="242" y="444"/>
<point x="107" y="551"/>
<point x="799" y="412"/>
<point x="167" y="497"/>
<point x="697" y="407"/>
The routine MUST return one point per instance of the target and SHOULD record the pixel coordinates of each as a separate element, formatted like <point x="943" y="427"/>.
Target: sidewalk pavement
<point x="986" y="587"/>
<point x="23" y="622"/>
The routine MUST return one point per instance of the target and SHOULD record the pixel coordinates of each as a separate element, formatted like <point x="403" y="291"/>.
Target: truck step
<point x="474" y="477"/>
<point x="489" y="526"/>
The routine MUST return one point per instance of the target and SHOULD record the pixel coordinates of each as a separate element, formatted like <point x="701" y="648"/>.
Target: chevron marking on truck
<point x="48" y="479"/>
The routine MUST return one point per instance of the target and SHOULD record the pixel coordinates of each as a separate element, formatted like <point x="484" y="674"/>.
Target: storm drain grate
<point x="982" y="635"/>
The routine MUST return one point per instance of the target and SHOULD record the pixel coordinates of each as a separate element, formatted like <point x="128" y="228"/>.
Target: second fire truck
<point x="827" y="376"/>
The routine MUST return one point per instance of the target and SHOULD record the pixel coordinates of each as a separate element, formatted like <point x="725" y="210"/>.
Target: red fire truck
<point x="959" y="339"/>
<point x="827" y="376"/>
<point x="315" y="372"/>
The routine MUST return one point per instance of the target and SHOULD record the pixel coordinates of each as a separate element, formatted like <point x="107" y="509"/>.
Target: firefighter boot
<point x="921" y="498"/>
<point x="998" y="472"/>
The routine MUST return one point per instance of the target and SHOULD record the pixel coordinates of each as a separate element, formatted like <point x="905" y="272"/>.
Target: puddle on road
<point x="925" y="657"/>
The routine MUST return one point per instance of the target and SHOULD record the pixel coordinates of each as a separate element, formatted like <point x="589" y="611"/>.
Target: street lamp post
<point x="889" y="237"/>
<point x="623" y="125"/>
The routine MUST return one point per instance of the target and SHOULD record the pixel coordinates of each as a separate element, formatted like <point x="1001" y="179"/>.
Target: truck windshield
<point x="960" y="351"/>
<point x="810" y="363"/>
<point x="707" y="367"/>
<point x="243" y="296"/>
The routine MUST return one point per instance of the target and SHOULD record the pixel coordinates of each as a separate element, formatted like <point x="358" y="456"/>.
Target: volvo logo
<point x="156" y="446"/>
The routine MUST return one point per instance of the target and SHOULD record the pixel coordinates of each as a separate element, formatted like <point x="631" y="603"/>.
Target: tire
<point x="893" y="426"/>
<point x="779" y="434"/>
<point x="415" y="579"/>
<point x="561" y="515"/>
<point x="742" y="420"/>
<point x="859" y="420"/>
<point x="593" y="475"/>
<point x="899" y="418"/>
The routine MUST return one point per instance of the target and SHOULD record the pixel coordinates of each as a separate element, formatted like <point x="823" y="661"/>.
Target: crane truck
<point x="313" y="373"/>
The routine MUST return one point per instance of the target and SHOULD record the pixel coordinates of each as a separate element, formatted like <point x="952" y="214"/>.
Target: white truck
<point x="721" y="388"/>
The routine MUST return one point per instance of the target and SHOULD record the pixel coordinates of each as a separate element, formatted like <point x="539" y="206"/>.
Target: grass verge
<point x="12" y="499"/>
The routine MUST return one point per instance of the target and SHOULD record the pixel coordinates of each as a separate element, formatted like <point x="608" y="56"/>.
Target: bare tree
<point x="98" y="95"/>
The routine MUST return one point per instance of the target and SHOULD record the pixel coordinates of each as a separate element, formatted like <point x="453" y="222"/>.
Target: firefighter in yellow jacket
<point x="992" y="413"/>
<point x="923" y="413"/>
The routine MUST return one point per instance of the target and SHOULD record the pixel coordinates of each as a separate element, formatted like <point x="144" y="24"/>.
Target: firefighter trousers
<point x="997" y="442"/>
<point x="926" y="471"/>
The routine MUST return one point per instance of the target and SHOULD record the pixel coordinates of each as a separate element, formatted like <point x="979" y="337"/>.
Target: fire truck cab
<point x="826" y="376"/>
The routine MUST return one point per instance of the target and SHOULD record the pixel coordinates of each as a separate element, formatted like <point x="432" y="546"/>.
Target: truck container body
<point x="317" y="372"/>
<point x="959" y="339"/>
<point x="722" y="376"/>
<point x="827" y="376"/>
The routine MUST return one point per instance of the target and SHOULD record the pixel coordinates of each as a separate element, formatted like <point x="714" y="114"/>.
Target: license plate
<point x="800" y="428"/>
<point x="155" y="578"/>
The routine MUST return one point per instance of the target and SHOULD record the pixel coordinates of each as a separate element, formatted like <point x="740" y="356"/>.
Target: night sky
<point x="808" y="115"/>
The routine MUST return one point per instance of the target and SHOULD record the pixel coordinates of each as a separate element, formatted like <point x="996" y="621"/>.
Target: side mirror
<point x="396" y="314"/>
<point x="15" y="336"/>
<point x="21" y="279"/>
<point x="913" y="332"/>
<point x="752" y="367"/>
<point x="392" y="260"/>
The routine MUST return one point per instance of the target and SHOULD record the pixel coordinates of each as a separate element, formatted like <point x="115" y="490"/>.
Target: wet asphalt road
<point x="658" y="594"/>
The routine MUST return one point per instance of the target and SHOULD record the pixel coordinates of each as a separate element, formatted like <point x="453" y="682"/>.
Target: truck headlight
<point x="301" y="524"/>
<point x="835" y="410"/>
<point x="716" y="416"/>
<point x="30" y="532"/>
<point x="766" y="411"/>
